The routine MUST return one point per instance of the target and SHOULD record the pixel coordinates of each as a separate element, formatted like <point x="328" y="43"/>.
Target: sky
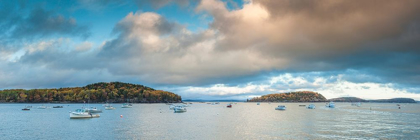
<point x="215" y="49"/>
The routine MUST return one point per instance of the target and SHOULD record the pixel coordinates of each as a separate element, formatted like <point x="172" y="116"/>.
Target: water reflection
<point x="206" y="121"/>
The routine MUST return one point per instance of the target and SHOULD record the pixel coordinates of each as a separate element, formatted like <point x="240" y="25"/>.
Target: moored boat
<point x="311" y="106"/>
<point x="281" y="107"/>
<point x="126" y="105"/>
<point x="109" y="108"/>
<point x="26" y="108"/>
<point x="93" y="110"/>
<point x="356" y="104"/>
<point x="57" y="106"/>
<point x="179" y="109"/>
<point x="330" y="105"/>
<point x="42" y="107"/>
<point x="81" y="113"/>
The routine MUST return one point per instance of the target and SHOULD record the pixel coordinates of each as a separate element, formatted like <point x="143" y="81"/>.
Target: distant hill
<point x="298" y="96"/>
<point x="114" y="92"/>
<point x="355" y="99"/>
<point x="347" y="99"/>
<point x="394" y="100"/>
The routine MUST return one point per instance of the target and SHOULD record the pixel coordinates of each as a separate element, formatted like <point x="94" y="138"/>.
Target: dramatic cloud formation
<point x="340" y="48"/>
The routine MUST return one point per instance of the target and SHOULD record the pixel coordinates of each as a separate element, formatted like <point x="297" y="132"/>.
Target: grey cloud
<point x="246" y="45"/>
<point x="378" y="37"/>
<point x="161" y="3"/>
<point x="18" y="21"/>
<point x="41" y="23"/>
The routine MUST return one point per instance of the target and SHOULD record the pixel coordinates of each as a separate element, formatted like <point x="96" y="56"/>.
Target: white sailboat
<point x="109" y="108"/>
<point x="126" y="105"/>
<point x="42" y="107"/>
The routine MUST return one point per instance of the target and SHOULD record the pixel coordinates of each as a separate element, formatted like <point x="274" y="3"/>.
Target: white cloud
<point x="287" y="83"/>
<point x="84" y="46"/>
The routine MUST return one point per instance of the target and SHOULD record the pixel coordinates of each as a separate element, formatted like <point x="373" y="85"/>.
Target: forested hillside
<point x="98" y="92"/>
<point x="298" y="96"/>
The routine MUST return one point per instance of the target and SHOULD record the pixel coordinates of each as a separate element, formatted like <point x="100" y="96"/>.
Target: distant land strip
<point x="113" y="92"/>
<point x="310" y="96"/>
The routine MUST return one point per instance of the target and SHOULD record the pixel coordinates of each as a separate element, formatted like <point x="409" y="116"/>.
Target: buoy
<point x="121" y="116"/>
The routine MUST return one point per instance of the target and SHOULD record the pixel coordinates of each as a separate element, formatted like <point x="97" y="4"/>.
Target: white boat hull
<point x="76" y="115"/>
<point x="280" y="108"/>
<point x="109" y="108"/>
<point x="311" y="106"/>
<point x="180" y="110"/>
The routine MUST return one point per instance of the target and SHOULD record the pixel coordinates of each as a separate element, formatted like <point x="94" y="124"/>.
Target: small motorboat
<point x="311" y="106"/>
<point x="229" y="106"/>
<point x="281" y="107"/>
<point x="26" y="108"/>
<point x="125" y="105"/>
<point x="81" y="113"/>
<point x="57" y="106"/>
<point x="93" y="110"/>
<point x="302" y="105"/>
<point x="330" y="105"/>
<point x="172" y="107"/>
<point x="356" y="104"/>
<point x="179" y="109"/>
<point x="109" y="108"/>
<point x="42" y="107"/>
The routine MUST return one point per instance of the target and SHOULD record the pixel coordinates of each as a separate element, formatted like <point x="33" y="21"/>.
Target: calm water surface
<point x="204" y="121"/>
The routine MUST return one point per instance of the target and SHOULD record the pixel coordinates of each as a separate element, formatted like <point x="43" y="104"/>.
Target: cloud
<point x="35" y="23"/>
<point x="41" y="23"/>
<point x="156" y="4"/>
<point x="85" y="46"/>
<point x="149" y="46"/>
<point x="332" y="86"/>
<point x="337" y="47"/>
<point x="323" y="36"/>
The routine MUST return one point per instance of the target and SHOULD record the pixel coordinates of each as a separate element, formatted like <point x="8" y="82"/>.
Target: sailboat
<point x="109" y="107"/>
<point x="42" y="107"/>
<point x="126" y="105"/>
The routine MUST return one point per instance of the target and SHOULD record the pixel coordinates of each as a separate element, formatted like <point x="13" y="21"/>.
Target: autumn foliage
<point x="98" y="92"/>
<point x="298" y="96"/>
